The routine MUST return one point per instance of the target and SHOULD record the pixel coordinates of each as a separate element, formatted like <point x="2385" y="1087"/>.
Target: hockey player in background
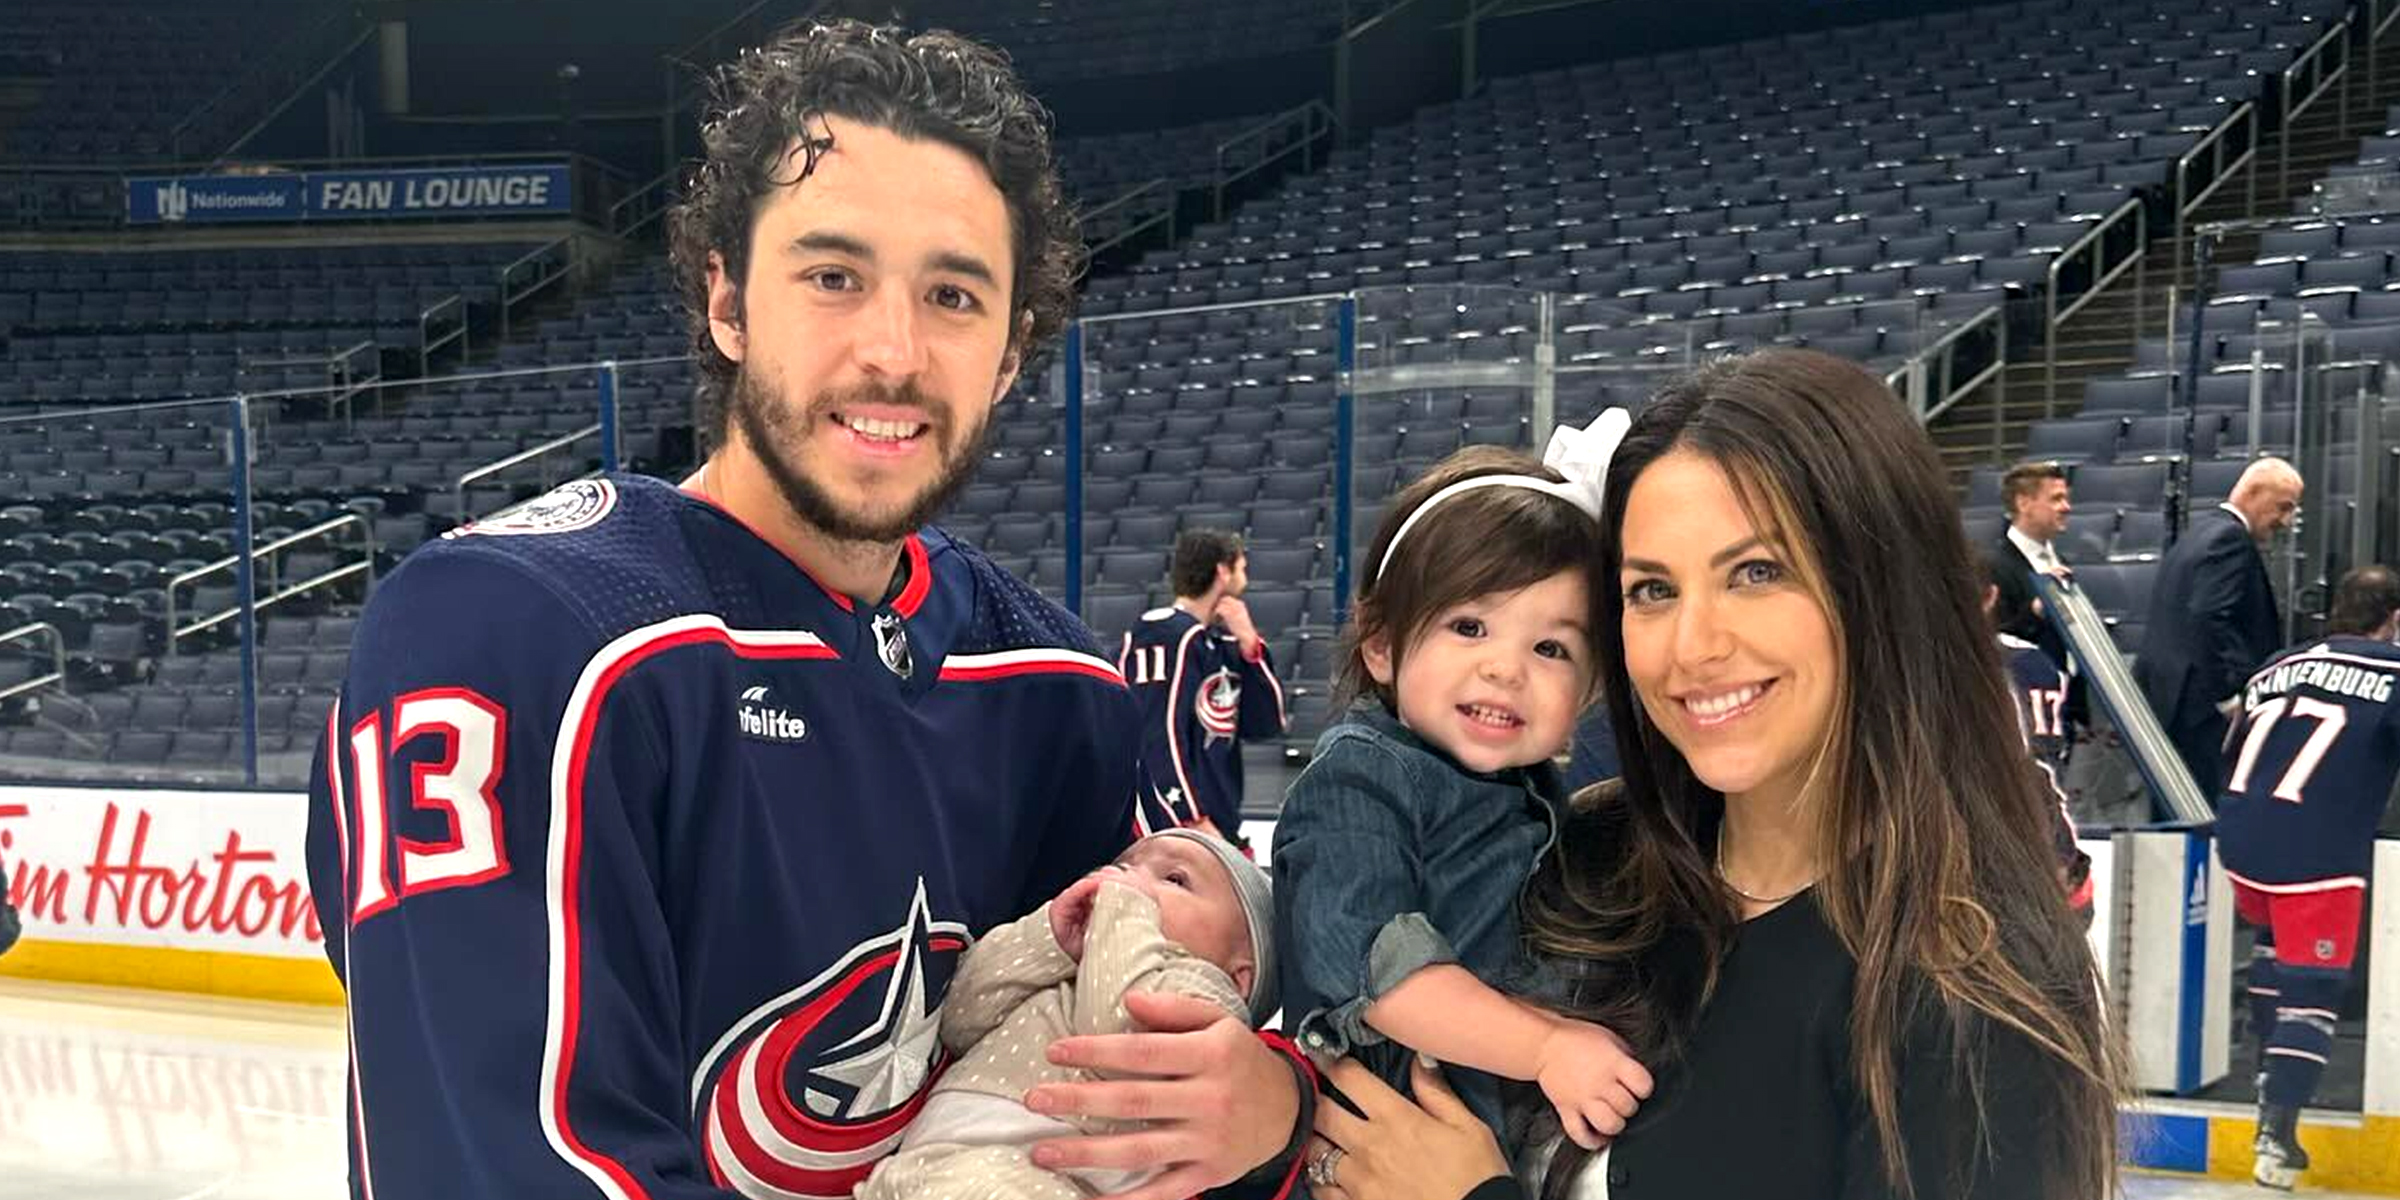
<point x="2313" y="758"/>
<point x="1204" y="680"/>
<point x="653" y="820"/>
<point x="2039" y="688"/>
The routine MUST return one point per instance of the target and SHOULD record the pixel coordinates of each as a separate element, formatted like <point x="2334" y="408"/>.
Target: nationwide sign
<point x="526" y="189"/>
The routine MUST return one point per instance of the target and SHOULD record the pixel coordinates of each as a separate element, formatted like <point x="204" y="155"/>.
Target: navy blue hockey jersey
<point x="2313" y="758"/>
<point x="2040" y="691"/>
<point x="1199" y="697"/>
<point x="646" y="860"/>
<point x="2040" y="688"/>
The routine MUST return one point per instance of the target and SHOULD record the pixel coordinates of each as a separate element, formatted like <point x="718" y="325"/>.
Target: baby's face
<point x="1197" y="906"/>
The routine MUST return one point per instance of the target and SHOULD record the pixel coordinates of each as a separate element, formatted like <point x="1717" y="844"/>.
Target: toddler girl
<point x="1402" y="847"/>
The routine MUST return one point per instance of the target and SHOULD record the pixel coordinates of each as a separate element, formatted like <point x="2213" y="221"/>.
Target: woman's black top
<point x="1764" y="1104"/>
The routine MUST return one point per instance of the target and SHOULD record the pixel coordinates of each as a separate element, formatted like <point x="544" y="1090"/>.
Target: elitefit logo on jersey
<point x="768" y="724"/>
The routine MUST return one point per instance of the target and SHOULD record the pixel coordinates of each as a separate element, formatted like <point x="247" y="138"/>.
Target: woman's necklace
<point x="1737" y="888"/>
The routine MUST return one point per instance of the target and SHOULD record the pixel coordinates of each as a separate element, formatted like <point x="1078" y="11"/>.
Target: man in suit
<point x="2212" y="617"/>
<point x="2039" y="503"/>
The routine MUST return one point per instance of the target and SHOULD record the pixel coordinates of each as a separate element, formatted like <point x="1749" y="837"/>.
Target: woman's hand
<point x="1401" y="1151"/>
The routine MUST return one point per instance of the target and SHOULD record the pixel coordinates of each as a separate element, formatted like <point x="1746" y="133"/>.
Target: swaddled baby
<point x="1180" y="912"/>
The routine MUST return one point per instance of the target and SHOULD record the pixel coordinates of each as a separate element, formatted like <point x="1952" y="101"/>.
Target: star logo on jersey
<point x="1219" y="705"/>
<point x="805" y="1095"/>
<point x="892" y="1058"/>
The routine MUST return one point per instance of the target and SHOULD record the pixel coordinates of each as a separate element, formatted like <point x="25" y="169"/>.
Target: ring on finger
<point x="1321" y="1168"/>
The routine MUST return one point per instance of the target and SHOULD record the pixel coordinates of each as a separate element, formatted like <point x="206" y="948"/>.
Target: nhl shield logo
<point x="806" y="1094"/>
<point x="891" y="644"/>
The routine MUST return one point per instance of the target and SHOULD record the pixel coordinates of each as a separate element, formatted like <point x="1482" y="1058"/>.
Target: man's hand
<point x="1215" y="1101"/>
<point x="1071" y="913"/>
<point x="1236" y="616"/>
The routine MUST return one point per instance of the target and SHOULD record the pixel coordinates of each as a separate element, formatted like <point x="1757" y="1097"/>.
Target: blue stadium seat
<point x="2142" y="485"/>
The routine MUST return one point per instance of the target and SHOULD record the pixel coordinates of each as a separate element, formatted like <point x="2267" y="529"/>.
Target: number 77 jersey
<point x="2313" y="759"/>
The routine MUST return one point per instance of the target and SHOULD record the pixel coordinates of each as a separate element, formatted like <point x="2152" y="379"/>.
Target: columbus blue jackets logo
<point x="1218" y="707"/>
<point x="805" y="1095"/>
<point x="577" y="504"/>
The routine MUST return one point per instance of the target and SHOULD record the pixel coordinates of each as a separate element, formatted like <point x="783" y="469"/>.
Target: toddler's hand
<point x="1590" y="1076"/>
<point x="1071" y="914"/>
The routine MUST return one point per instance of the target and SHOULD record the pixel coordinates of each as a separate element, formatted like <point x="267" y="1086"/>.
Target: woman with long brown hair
<point x="1821" y="903"/>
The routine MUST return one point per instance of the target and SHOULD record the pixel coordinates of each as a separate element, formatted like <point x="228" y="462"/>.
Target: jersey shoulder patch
<point x="611" y="549"/>
<point x="576" y="505"/>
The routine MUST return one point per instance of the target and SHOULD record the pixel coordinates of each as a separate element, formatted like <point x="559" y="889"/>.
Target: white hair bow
<point x="1580" y="456"/>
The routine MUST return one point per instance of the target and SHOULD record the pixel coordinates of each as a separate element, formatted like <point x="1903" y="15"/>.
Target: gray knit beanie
<point x="1258" y="911"/>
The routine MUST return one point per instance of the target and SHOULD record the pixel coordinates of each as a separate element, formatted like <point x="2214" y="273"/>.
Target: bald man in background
<point x="2212" y="617"/>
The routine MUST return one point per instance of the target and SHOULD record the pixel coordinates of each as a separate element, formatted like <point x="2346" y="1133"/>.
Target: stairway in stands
<point x="2098" y="341"/>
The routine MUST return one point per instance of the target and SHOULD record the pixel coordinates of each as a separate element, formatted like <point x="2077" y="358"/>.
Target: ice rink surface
<point x="127" y="1095"/>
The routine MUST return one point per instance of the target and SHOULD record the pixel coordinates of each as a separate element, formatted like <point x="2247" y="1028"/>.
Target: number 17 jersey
<point x="2312" y="762"/>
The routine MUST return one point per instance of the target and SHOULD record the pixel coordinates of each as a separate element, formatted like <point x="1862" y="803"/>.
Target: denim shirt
<point x="1390" y="857"/>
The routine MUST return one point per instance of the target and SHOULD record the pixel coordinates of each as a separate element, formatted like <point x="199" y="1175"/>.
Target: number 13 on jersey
<point x="469" y="735"/>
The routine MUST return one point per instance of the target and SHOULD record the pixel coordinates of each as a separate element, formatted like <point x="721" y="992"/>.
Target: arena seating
<point x="1764" y="192"/>
<point x="1056" y="40"/>
<point x="1859" y="190"/>
<point x="175" y="324"/>
<point x="116" y="75"/>
<point x="1099" y="167"/>
<point x="2130" y="430"/>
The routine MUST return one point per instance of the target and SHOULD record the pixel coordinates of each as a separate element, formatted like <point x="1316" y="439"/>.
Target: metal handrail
<point x="649" y="191"/>
<point x="2186" y="201"/>
<point x="1308" y="115"/>
<point x="2310" y="61"/>
<point x="510" y="299"/>
<point x="1384" y="9"/>
<point x="345" y="380"/>
<point x="1164" y="215"/>
<point x="269" y="61"/>
<point x="454" y="304"/>
<point x="2307" y="59"/>
<point x="365" y="31"/>
<point x="176" y="633"/>
<point x="520" y="458"/>
<point x="2102" y="276"/>
<point x="680" y="83"/>
<point x="58" y="657"/>
<point x="1945" y="350"/>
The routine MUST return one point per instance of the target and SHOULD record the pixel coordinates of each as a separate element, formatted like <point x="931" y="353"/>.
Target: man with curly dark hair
<point x="653" y="820"/>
